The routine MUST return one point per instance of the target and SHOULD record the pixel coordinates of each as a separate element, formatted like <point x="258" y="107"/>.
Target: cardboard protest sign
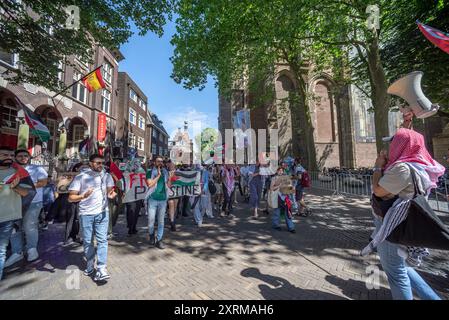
<point x="134" y="186"/>
<point x="185" y="183"/>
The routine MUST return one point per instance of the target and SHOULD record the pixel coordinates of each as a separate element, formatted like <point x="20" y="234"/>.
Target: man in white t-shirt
<point x="29" y="226"/>
<point x="92" y="188"/>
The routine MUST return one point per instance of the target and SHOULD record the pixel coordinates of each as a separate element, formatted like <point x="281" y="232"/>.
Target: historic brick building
<point x="343" y="126"/>
<point x="132" y="116"/>
<point x="158" y="137"/>
<point x="181" y="147"/>
<point x="77" y="105"/>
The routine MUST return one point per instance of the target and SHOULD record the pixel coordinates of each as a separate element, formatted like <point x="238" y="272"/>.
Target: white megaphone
<point x="409" y="89"/>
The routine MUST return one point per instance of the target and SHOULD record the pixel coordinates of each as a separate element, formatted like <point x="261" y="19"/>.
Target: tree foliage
<point x="408" y="50"/>
<point x="36" y="30"/>
<point x="207" y="140"/>
<point x="241" y="42"/>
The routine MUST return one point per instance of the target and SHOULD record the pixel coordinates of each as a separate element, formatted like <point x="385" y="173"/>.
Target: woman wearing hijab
<point x="393" y="178"/>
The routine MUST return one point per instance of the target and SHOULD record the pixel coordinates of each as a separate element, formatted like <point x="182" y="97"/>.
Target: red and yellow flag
<point x="94" y="81"/>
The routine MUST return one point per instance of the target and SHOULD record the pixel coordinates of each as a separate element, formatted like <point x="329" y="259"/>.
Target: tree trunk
<point x="379" y="95"/>
<point x="307" y="141"/>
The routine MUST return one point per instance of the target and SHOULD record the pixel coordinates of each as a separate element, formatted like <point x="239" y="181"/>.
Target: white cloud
<point x="172" y="120"/>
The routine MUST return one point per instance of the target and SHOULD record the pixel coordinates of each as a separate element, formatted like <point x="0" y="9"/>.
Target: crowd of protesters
<point x="90" y="197"/>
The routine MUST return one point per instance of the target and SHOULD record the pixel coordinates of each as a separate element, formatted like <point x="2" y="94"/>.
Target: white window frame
<point x="15" y="61"/>
<point x="61" y="74"/>
<point x="13" y="121"/>
<point x="132" y="113"/>
<point x="107" y="71"/>
<point x="140" y="143"/>
<point x="79" y="86"/>
<point x="133" y="95"/>
<point x="83" y="64"/>
<point x="141" y="122"/>
<point x="131" y="140"/>
<point x="106" y="96"/>
<point x="142" y="104"/>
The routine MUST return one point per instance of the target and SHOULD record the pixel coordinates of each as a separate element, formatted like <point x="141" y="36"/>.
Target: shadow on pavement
<point x="275" y="288"/>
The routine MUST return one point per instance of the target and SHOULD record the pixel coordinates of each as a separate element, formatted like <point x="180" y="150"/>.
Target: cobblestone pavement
<point x="227" y="258"/>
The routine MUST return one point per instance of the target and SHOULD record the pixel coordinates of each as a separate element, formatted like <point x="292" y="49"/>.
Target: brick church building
<point x="344" y="132"/>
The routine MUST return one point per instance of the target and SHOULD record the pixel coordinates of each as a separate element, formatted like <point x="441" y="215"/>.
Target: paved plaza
<point x="237" y="258"/>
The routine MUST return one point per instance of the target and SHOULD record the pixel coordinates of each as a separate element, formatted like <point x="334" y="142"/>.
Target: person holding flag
<point x="16" y="192"/>
<point x="30" y="226"/>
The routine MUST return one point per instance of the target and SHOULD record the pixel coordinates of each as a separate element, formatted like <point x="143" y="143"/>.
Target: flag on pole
<point x="437" y="37"/>
<point x="37" y="126"/>
<point x="94" y="80"/>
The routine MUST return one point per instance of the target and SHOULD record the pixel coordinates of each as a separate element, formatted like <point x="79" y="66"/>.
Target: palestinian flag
<point x="437" y="37"/>
<point x="94" y="80"/>
<point x="186" y="178"/>
<point x="25" y="180"/>
<point x="37" y="126"/>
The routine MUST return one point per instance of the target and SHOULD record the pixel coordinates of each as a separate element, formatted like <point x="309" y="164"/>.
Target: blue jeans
<point x="255" y="192"/>
<point x="5" y="233"/>
<point x="203" y="206"/>
<point x="95" y="225"/>
<point x="401" y="277"/>
<point x="277" y="220"/>
<point x="158" y="208"/>
<point x="28" y="226"/>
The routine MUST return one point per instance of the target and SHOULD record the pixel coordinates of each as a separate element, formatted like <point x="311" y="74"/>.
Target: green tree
<point x="207" y="140"/>
<point x="37" y="31"/>
<point x="241" y="42"/>
<point x="381" y="55"/>
<point x="418" y="53"/>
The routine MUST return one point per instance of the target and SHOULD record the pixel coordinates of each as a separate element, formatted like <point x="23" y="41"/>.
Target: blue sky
<point x="147" y="62"/>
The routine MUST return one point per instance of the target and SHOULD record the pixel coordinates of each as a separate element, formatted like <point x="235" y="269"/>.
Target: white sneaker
<point x="32" y="254"/>
<point x="102" y="275"/>
<point x="14" y="258"/>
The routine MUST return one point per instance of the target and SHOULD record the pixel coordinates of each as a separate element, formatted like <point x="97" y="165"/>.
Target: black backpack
<point x="212" y="187"/>
<point x="422" y="227"/>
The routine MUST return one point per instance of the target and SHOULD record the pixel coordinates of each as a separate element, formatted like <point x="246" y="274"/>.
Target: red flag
<point x="116" y="171"/>
<point x="20" y="173"/>
<point x="437" y="37"/>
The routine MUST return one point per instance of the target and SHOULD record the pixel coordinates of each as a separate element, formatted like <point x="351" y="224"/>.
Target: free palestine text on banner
<point x="134" y="186"/>
<point x="185" y="183"/>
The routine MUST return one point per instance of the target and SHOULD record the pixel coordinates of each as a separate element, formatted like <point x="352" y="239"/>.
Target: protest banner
<point x="185" y="183"/>
<point x="134" y="186"/>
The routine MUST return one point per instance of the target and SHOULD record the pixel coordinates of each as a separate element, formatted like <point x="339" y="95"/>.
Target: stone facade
<point x="343" y="126"/>
<point x="181" y="147"/>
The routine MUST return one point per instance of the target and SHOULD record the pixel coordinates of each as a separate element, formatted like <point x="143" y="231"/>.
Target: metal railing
<point x="360" y="185"/>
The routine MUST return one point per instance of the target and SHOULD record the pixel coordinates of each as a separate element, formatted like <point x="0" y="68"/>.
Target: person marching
<point x="92" y="188"/>
<point x="29" y="227"/>
<point x="158" y="180"/>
